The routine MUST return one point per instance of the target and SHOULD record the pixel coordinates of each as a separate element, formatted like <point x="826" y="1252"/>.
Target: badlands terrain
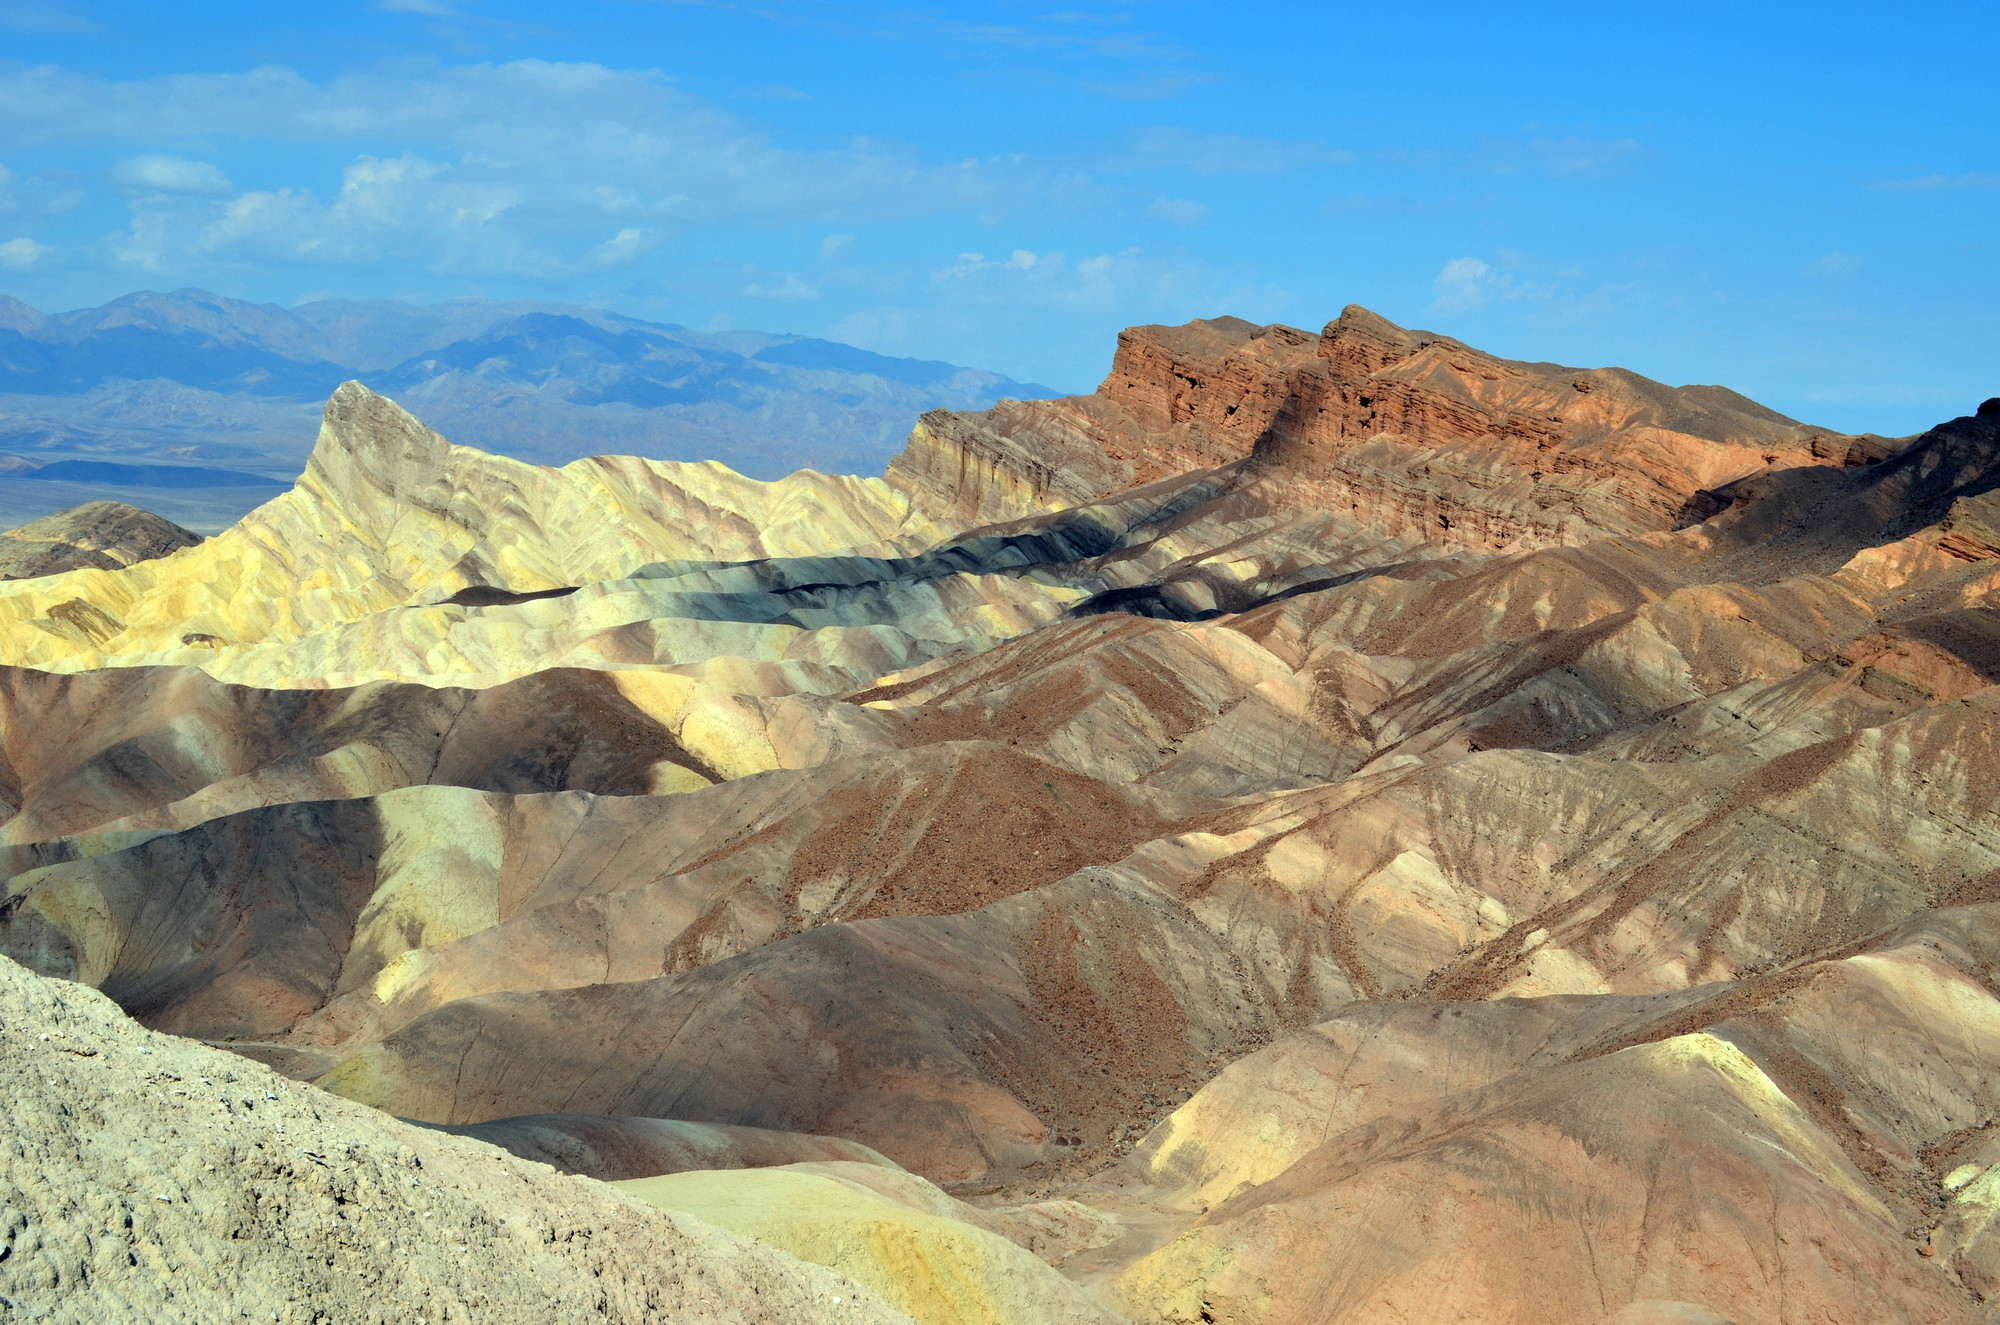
<point x="1328" y="828"/>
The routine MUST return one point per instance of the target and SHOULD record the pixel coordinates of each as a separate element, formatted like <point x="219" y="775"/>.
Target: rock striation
<point x="1365" y="829"/>
<point x="1415" y="431"/>
<point x="98" y="535"/>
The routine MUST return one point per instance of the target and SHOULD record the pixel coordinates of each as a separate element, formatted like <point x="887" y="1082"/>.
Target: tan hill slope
<point x="1373" y="820"/>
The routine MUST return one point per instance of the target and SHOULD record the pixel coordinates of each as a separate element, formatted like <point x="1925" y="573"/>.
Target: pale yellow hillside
<point x="388" y="513"/>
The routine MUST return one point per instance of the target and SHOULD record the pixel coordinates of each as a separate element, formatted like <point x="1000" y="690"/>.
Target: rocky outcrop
<point x="150" y="1179"/>
<point x="1414" y="434"/>
<point x="100" y="535"/>
<point x="1179" y="399"/>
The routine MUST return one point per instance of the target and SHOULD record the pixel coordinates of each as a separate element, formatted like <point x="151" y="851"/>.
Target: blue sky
<point x="1802" y="202"/>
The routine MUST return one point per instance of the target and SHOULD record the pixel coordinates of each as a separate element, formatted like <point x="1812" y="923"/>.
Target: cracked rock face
<point x="1325" y="829"/>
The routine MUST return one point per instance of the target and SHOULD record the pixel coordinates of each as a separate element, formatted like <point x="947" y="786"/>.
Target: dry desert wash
<point x="1327" y="829"/>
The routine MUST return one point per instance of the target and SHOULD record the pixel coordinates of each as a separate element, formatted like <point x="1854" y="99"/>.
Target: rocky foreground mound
<point x="144" y="1178"/>
<point x="1373" y="832"/>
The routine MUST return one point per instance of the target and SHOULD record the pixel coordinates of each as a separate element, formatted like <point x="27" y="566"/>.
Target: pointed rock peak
<point x="1990" y="409"/>
<point x="1355" y="318"/>
<point x="1369" y="340"/>
<point x="17" y="316"/>
<point x="359" y="423"/>
<point x="369" y="441"/>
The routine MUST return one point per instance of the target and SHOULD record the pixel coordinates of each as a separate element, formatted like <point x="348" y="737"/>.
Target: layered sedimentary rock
<point x="1409" y="431"/>
<point x="99" y="535"/>
<point x="1379" y="826"/>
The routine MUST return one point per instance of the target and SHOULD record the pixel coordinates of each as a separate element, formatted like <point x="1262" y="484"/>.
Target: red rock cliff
<point x="1412" y="432"/>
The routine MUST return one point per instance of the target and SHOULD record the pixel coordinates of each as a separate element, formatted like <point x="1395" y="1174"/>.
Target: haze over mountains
<point x="1330" y="827"/>
<point x="200" y="407"/>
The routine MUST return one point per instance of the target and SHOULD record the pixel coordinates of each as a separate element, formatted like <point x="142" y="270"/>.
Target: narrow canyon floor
<point x="1329" y="828"/>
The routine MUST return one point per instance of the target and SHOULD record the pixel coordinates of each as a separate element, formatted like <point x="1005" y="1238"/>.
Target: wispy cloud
<point x="1095" y="285"/>
<point x="43" y="18"/>
<point x="1222" y="153"/>
<point x="1462" y="285"/>
<point x="788" y="285"/>
<point x="1576" y="155"/>
<point x="1159" y="87"/>
<point x="1585" y="156"/>
<point x="1467" y="283"/>
<point x="1181" y="211"/>
<point x="1936" y="183"/>
<point x="521" y="166"/>
<point x="172" y="174"/>
<point x="624" y="248"/>
<point x="971" y="264"/>
<point x="1834" y="264"/>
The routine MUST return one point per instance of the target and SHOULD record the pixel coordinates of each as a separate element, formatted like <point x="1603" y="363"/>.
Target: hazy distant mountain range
<point x="197" y="406"/>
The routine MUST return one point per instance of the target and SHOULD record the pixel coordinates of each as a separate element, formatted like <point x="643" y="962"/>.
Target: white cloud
<point x="971" y="264"/>
<point x="172" y="174"/>
<point x="428" y="8"/>
<point x="404" y="206"/>
<point x="519" y="165"/>
<point x="1049" y="280"/>
<point x="1462" y="285"/>
<point x="624" y="248"/>
<point x="833" y="245"/>
<point x="1178" y="210"/>
<point x="1834" y="264"/>
<point x="23" y="253"/>
<point x="575" y="129"/>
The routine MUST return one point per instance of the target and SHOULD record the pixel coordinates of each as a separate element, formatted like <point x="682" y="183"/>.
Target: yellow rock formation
<point x="939" y="1269"/>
